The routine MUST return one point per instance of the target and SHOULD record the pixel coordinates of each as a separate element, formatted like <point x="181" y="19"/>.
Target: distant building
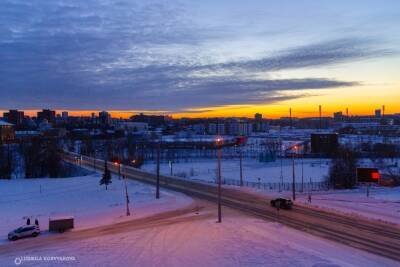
<point x="46" y="114"/>
<point x="378" y="113"/>
<point x="104" y="118"/>
<point x="338" y="115"/>
<point x="133" y="127"/>
<point x="216" y="128"/>
<point x="245" y="128"/>
<point x="259" y="124"/>
<point x="14" y="116"/>
<point x="324" y="143"/>
<point x="7" y="132"/>
<point x="64" y="115"/>
<point x="199" y="128"/>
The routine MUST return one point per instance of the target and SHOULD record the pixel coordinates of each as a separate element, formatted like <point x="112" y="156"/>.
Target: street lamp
<point x="302" y="172"/>
<point x="117" y="163"/>
<point x="241" y="166"/>
<point x="293" y="174"/>
<point x="158" y="171"/>
<point x="219" y="142"/>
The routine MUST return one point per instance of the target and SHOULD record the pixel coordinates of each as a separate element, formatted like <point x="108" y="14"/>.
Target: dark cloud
<point x="122" y="55"/>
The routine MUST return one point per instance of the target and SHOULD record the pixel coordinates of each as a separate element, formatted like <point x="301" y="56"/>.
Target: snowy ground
<point x="268" y="172"/>
<point x="81" y="197"/>
<point x="382" y="204"/>
<point x="196" y="240"/>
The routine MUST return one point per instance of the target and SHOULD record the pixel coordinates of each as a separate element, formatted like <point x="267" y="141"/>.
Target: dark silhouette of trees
<point x="41" y="158"/>
<point x="342" y="173"/>
<point x="6" y="162"/>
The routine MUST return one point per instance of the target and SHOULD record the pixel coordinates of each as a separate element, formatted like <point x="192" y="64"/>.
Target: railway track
<point x="371" y="236"/>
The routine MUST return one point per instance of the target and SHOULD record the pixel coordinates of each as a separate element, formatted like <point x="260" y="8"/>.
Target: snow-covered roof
<point x="4" y="123"/>
<point x="61" y="218"/>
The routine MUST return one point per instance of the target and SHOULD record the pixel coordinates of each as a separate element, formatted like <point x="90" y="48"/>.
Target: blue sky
<point x="189" y="56"/>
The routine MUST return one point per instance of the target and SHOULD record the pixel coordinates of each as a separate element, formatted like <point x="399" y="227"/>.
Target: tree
<point x="6" y="162"/>
<point x="106" y="179"/>
<point x="32" y="153"/>
<point x="52" y="160"/>
<point x="342" y="173"/>
<point x="41" y="158"/>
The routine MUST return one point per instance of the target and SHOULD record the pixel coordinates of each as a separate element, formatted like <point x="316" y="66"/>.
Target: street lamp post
<point x="170" y="168"/>
<point x="302" y="174"/>
<point x="119" y="170"/>
<point x="241" y="167"/>
<point x="219" y="146"/>
<point x="158" y="172"/>
<point x="293" y="176"/>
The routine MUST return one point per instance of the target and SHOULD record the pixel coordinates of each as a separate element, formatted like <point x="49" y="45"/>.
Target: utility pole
<point x="119" y="170"/>
<point x="158" y="171"/>
<point x="302" y="174"/>
<point x="219" y="146"/>
<point x="293" y="178"/>
<point x="241" y="167"/>
<point x="281" y="160"/>
<point x="290" y="117"/>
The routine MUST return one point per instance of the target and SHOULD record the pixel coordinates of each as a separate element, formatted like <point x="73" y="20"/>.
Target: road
<point x="371" y="236"/>
<point x="185" y="214"/>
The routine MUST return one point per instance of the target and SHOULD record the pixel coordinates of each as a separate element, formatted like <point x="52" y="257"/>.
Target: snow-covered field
<point x="268" y="172"/>
<point x="81" y="197"/>
<point x="196" y="240"/>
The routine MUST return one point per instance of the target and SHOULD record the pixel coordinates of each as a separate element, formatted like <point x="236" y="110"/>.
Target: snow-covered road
<point x="193" y="238"/>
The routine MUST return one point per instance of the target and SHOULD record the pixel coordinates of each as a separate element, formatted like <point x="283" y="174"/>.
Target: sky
<point x="200" y="58"/>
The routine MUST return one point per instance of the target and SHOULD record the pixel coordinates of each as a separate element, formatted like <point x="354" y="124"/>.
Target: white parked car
<point x="24" y="231"/>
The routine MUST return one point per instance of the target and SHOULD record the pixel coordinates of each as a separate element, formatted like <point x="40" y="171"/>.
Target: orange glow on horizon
<point x="268" y="111"/>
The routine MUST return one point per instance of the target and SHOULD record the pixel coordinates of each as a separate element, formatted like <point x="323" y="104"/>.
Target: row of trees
<point x="41" y="158"/>
<point x="342" y="173"/>
<point x="38" y="157"/>
<point x="7" y="165"/>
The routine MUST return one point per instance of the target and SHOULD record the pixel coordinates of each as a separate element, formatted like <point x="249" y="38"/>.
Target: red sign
<point x="368" y="175"/>
<point x="375" y="175"/>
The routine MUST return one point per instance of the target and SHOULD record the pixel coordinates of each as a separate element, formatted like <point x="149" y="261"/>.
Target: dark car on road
<point x="282" y="203"/>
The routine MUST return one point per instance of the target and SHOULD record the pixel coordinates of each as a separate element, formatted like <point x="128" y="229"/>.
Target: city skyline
<point x="200" y="59"/>
<point x="127" y="114"/>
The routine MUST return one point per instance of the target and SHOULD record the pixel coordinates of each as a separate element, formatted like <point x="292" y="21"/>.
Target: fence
<point x="285" y="186"/>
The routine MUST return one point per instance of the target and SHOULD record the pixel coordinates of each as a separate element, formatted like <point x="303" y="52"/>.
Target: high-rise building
<point x="14" y="116"/>
<point x="104" y="118"/>
<point x="258" y="117"/>
<point x="64" y="115"/>
<point x="46" y="114"/>
<point x="7" y="132"/>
